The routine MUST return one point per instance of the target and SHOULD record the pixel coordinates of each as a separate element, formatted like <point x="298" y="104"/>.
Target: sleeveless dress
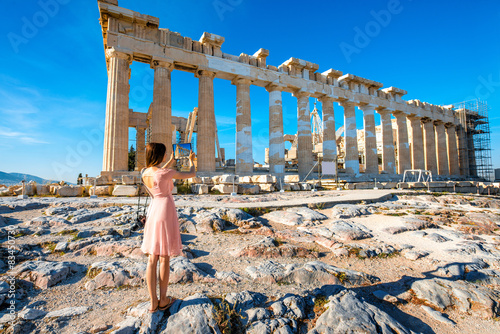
<point x="161" y="231"/>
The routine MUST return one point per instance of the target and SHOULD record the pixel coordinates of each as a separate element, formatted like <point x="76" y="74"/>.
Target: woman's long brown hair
<point x="154" y="153"/>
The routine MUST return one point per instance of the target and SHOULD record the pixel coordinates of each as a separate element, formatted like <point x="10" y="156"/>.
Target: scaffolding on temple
<point x="475" y="150"/>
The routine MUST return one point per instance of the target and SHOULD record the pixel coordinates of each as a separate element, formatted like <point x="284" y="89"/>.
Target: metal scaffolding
<point x="474" y="140"/>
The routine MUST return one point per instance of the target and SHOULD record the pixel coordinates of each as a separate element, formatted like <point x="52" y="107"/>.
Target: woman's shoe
<point x="171" y="301"/>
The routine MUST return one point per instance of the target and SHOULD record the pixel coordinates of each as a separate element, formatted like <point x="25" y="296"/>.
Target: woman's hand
<point x="192" y="156"/>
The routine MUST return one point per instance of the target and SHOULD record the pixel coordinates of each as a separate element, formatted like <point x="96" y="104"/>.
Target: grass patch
<point x="396" y="214"/>
<point x="256" y="212"/>
<point x="93" y="272"/>
<point x="70" y="217"/>
<point x="227" y="318"/>
<point x="183" y="189"/>
<point x="319" y="304"/>
<point x="319" y="206"/>
<point x="67" y="232"/>
<point x="50" y="245"/>
<point x="342" y="277"/>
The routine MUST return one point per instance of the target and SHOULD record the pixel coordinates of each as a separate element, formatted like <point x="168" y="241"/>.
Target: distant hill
<point x="10" y="179"/>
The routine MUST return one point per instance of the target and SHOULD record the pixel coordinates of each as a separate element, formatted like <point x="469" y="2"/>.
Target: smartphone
<point x="181" y="150"/>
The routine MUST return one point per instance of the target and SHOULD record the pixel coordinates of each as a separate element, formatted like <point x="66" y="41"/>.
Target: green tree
<point x="131" y="158"/>
<point x="79" y="180"/>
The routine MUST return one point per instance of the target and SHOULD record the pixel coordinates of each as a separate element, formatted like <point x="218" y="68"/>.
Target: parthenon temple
<point x="427" y="136"/>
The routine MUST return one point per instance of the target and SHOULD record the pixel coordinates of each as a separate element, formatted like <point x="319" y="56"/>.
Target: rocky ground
<point x="417" y="263"/>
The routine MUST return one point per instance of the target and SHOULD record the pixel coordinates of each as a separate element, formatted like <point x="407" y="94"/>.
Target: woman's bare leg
<point x="164" y="276"/>
<point x="151" y="280"/>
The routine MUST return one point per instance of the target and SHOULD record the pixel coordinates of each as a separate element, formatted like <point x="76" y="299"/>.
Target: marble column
<point x="161" y="114"/>
<point x="276" y="143"/>
<point x="329" y="135"/>
<point x="442" y="150"/>
<point x="304" y="149"/>
<point x="205" y="140"/>
<point x="462" y="151"/>
<point x="451" y="136"/>
<point x="402" y="143"/>
<point x="244" y="157"/>
<point x="115" y="153"/>
<point x="371" y="158"/>
<point x="417" y="143"/>
<point x="140" y="144"/>
<point x="388" y="155"/>
<point x="430" y="146"/>
<point x="350" y="139"/>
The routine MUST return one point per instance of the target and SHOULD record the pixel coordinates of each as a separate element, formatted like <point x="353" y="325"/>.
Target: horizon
<point x="54" y="91"/>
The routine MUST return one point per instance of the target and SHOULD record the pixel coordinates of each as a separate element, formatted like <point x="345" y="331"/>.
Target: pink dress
<point x="161" y="232"/>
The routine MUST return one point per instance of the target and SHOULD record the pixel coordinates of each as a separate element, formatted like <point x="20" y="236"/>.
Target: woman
<point x="162" y="238"/>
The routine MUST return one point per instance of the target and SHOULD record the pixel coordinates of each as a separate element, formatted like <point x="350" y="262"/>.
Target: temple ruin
<point x="426" y="136"/>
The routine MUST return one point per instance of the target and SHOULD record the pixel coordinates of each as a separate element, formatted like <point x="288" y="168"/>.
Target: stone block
<point x="416" y="185"/>
<point x="436" y="184"/>
<point x="364" y="185"/>
<point x="286" y="187"/>
<point x="199" y="189"/>
<point x="207" y="180"/>
<point x="68" y="191"/>
<point x="295" y="186"/>
<point x="195" y="180"/>
<point x="42" y="189"/>
<point x="101" y="190"/>
<point x="266" y="187"/>
<point x="465" y="184"/>
<point x="225" y="188"/>
<point x="123" y="190"/>
<point x="292" y="178"/>
<point x="305" y="186"/>
<point x="129" y="179"/>
<point x="245" y="179"/>
<point x="390" y="185"/>
<point x="174" y="190"/>
<point x="263" y="179"/>
<point x="248" y="189"/>
<point x="350" y="186"/>
<point x="224" y="179"/>
<point x="403" y="185"/>
<point x="5" y="192"/>
<point x="102" y="180"/>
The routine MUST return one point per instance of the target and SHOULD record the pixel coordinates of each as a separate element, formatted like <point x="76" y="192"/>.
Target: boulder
<point x="284" y="217"/>
<point x="464" y="296"/>
<point x="114" y="274"/>
<point x="42" y="190"/>
<point x="123" y="190"/>
<point x="194" y="314"/>
<point x="44" y="274"/>
<point x="182" y="270"/>
<point x="345" y="313"/>
<point x="209" y="222"/>
<point x="343" y="211"/>
<point x="31" y="313"/>
<point x="308" y="215"/>
<point x="263" y="179"/>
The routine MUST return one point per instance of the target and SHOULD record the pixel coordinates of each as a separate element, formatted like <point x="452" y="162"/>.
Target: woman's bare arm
<point x="187" y="175"/>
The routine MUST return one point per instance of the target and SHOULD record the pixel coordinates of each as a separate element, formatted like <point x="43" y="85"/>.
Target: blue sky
<point x="53" y="73"/>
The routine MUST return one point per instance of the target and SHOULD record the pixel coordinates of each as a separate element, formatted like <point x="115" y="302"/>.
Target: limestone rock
<point x="308" y="215"/>
<point x="284" y="217"/>
<point x="263" y="179"/>
<point x="199" y="189"/>
<point x="209" y="222"/>
<point x="44" y="274"/>
<point x="115" y="274"/>
<point x="228" y="276"/>
<point x="225" y="188"/>
<point x="347" y="314"/>
<point x="244" y="300"/>
<point x="292" y="178"/>
<point x="68" y="312"/>
<point x="31" y="314"/>
<point x="315" y="272"/>
<point x="47" y="221"/>
<point x="85" y="215"/>
<point x="340" y="230"/>
<point x="59" y="211"/>
<point x="225" y="179"/>
<point x="101" y="190"/>
<point x="182" y="270"/>
<point x="342" y="211"/>
<point x="269" y="248"/>
<point x="128" y="326"/>
<point x="276" y="325"/>
<point x="437" y="315"/>
<point x="466" y="297"/>
<point x="193" y="315"/>
<point x="266" y="187"/>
